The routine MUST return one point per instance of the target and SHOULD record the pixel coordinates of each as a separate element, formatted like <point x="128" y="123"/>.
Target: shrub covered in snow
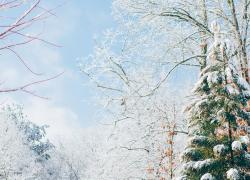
<point x="207" y="176"/>
<point x="245" y="139"/>
<point x="236" y="146"/>
<point x="219" y="150"/>
<point x="233" y="174"/>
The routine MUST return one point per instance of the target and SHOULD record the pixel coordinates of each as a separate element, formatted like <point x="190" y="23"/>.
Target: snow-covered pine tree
<point x="215" y="149"/>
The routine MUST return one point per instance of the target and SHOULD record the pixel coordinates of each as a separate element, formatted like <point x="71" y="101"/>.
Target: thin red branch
<point x="15" y="31"/>
<point x="20" y="19"/>
<point x="24" y="87"/>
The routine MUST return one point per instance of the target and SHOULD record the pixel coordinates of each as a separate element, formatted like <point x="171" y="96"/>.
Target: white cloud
<point x="9" y="74"/>
<point x="62" y="121"/>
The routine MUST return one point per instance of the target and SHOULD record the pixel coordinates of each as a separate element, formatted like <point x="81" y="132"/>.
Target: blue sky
<point x="71" y="104"/>
<point x="91" y="17"/>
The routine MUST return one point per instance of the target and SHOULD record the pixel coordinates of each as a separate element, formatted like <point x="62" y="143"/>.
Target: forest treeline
<point x="173" y="80"/>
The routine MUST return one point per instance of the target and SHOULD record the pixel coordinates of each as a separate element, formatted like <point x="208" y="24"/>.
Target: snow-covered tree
<point x="216" y="149"/>
<point x="142" y="146"/>
<point x="17" y="160"/>
<point x="151" y="40"/>
<point x="26" y="152"/>
<point x="177" y="31"/>
<point x="35" y="135"/>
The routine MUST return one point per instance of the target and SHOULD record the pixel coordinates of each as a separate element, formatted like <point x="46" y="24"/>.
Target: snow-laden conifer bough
<point x="216" y="148"/>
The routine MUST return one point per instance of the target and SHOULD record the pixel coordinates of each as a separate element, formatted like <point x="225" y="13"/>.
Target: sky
<point x="71" y="102"/>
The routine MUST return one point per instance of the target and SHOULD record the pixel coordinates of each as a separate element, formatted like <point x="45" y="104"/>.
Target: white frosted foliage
<point x="193" y="139"/>
<point x="215" y="27"/>
<point x="243" y="83"/>
<point x="229" y="74"/>
<point x="246" y="93"/>
<point x="219" y="149"/>
<point x="212" y="78"/>
<point x="188" y="150"/>
<point x="17" y="161"/>
<point x="196" y="165"/>
<point x="181" y="178"/>
<point x="207" y="176"/>
<point x="199" y="83"/>
<point x="231" y="90"/>
<point x="245" y="139"/>
<point x="247" y="156"/>
<point x="233" y="174"/>
<point x="236" y="146"/>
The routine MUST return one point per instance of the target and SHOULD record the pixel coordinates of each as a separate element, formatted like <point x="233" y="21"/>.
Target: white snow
<point x="231" y="90"/>
<point x="193" y="139"/>
<point x="200" y="103"/>
<point x="246" y="93"/>
<point x="215" y="27"/>
<point x="187" y="151"/>
<point x="245" y="139"/>
<point x="236" y="146"/>
<point x="205" y="70"/>
<point x="247" y="156"/>
<point x="220" y="113"/>
<point x="233" y="174"/>
<point x="242" y="82"/>
<point x="197" y="164"/>
<point x="213" y="77"/>
<point x="219" y="149"/>
<point x="207" y="176"/>
<point x="229" y="74"/>
<point x="181" y="178"/>
<point x="199" y="83"/>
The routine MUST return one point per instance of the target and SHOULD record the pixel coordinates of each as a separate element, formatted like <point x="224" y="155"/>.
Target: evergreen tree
<point x="216" y="147"/>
